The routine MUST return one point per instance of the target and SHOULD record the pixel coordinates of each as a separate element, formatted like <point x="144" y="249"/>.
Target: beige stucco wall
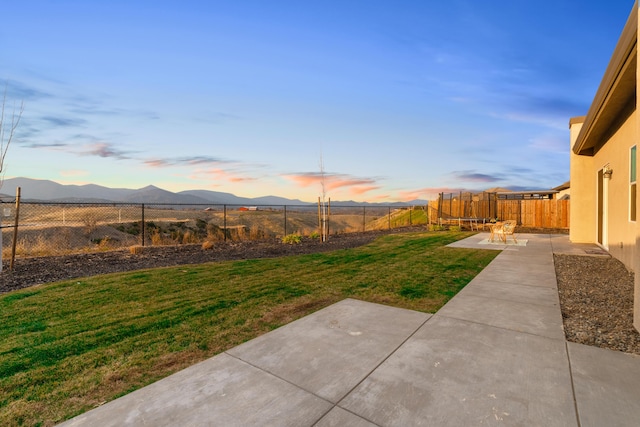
<point x="563" y="194"/>
<point x="582" y="216"/>
<point x="621" y="232"/>
<point x="621" y="241"/>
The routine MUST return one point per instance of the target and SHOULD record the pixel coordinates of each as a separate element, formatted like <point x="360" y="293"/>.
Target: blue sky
<point x="399" y="100"/>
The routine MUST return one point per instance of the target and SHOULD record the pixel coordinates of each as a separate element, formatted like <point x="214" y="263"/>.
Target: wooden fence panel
<point x="536" y="213"/>
<point x="528" y="213"/>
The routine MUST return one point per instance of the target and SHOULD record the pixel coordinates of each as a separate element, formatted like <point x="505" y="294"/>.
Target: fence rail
<point x="63" y="228"/>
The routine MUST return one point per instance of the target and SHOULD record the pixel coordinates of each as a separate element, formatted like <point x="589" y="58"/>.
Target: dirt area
<point x="596" y="293"/>
<point x="38" y="270"/>
<point x="596" y="296"/>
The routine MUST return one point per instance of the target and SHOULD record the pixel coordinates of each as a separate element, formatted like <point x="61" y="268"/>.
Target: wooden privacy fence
<point x="534" y="213"/>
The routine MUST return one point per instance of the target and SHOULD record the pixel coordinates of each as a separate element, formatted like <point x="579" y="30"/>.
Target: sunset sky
<point x="398" y="100"/>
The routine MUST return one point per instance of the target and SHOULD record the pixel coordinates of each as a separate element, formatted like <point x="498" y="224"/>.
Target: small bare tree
<point x="8" y="124"/>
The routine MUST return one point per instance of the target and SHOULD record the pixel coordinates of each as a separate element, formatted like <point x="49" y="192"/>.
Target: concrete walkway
<point x="494" y="355"/>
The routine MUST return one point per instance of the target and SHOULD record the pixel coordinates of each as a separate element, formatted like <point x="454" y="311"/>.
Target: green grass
<point x="400" y="218"/>
<point x="68" y="347"/>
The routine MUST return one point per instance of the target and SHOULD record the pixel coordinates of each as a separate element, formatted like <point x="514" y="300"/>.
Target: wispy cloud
<point x="105" y="150"/>
<point x="471" y="176"/>
<point x="94" y="105"/>
<point x="101" y="111"/>
<point x="63" y="121"/>
<point x="550" y="142"/>
<point x="18" y="91"/>
<point x="52" y="145"/>
<point x="187" y="161"/>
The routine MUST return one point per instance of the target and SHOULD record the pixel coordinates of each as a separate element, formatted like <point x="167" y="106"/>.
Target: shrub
<point x="315" y="235"/>
<point x="256" y="233"/>
<point x="435" y="227"/>
<point x="90" y="222"/>
<point x="136" y="249"/>
<point x="455" y="228"/>
<point x="132" y="228"/>
<point x="201" y="224"/>
<point x="157" y="238"/>
<point x="214" y="232"/>
<point x="292" y="239"/>
<point x="189" y="237"/>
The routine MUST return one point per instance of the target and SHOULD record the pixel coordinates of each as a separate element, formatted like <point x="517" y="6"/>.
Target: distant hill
<point x="50" y="191"/>
<point x="217" y="197"/>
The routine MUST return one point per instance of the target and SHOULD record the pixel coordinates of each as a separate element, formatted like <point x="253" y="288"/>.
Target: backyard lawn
<point x="70" y="346"/>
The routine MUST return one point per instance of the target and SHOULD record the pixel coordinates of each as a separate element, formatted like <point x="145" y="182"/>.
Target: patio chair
<point x="502" y="230"/>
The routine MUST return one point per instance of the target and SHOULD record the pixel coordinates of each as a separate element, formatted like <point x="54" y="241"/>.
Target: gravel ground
<point x="596" y="293"/>
<point x="596" y="297"/>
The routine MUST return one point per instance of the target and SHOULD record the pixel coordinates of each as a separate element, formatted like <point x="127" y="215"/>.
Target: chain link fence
<point x="44" y="229"/>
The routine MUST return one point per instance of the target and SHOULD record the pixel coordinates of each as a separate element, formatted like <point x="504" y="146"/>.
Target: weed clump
<point x="292" y="239"/>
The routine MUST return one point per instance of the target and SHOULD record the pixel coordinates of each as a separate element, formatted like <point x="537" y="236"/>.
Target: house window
<point x="632" y="184"/>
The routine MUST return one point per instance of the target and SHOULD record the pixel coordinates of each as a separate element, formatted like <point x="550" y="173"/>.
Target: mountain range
<point x="50" y="191"/>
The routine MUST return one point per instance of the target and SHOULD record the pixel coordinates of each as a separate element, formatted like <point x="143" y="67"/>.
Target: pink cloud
<point x="156" y="163"/>
<point x="363" y="189"/>
<point x="384" y="197"/>
<point x="429" y="193"/>
<point x="305" y="180"/>
<point x="242" y="179"/>
<point x="73" y="173"/>
<point x="221" y="175"/>
<point x="333" y="181"/>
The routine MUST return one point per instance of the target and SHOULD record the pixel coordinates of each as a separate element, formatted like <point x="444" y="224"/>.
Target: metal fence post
<point x="285" y="220"/>
<point x="142" y="226"/>
<point x="225" y="222"/>
<point x="364" y="219"/>
<point x="328" y="217"/>
<point x="15" y="230"/>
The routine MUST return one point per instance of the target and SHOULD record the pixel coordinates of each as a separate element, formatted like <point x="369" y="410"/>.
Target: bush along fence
<point x="42" y="229"/>
<point x="527" y="212"/>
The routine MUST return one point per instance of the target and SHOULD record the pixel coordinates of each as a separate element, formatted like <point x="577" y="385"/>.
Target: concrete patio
<point x="494" y="355"/>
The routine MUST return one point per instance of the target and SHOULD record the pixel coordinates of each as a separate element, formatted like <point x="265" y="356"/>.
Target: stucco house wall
<point x="601" y="142"/>
<point x="620" y="232"/>
<point x="582" y="217"/>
